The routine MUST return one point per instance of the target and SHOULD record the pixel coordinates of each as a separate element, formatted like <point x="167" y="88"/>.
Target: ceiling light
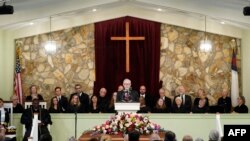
<point x="159" y="9"/>
<point x="50" y="45"/>
<point x="222" y="22"/>
<point x="31" y="23"/>
<point x="94" y="10"/>
<point x="205" y="44"/>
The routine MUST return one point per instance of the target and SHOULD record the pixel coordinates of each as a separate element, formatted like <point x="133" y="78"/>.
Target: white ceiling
<point x="230" y="11"/>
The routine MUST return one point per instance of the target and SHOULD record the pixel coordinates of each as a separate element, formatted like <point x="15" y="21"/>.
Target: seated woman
<point x="143" y="107"/>
<point x="93" y="107"/>
<point x="201" y="95"/>
<point x="241" y="108"/>
<point x="111" y="107"/>
<point x="201" y="107"/>
<point x="178" y="107"/>
<point x="54" y="106"/>
<point x="75" y="105"/>
<point x="160" y="107"/>
<point x="4" y="115"/>
<point x="17" y="107"/>
<point x="34" y="94"/>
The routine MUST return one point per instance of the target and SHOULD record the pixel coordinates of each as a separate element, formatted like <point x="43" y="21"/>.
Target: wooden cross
<point x="127" y="38"/>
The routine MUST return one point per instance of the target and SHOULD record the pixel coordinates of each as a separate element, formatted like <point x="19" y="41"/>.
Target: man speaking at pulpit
<point x="127" y="95"/>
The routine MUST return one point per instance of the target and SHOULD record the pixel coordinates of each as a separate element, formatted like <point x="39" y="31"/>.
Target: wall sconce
<point x="50" y="45"/>
<point x="205" y="44"/>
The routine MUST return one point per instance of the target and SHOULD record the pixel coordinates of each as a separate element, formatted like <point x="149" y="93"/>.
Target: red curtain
<point x="110" y="55"/>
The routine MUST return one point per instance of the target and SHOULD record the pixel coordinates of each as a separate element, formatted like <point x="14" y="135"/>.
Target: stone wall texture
<point x="73" y="62"/>
<point x="181" y="62"/>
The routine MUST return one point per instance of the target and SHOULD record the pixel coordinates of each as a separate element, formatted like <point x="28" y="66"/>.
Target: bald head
<point x="126" y="84"/>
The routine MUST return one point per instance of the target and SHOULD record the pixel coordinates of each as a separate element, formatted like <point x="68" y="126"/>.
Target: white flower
<point x="128" y="124"/>
<point x="104" y="131"/>
<point x="103" y="128"/>
<point x="152" y="126"/>
<point x="145" y="119"/>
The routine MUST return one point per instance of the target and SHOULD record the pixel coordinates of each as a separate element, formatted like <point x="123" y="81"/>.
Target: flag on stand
<point x="234" y="80"/>
<point x="17" y="81"/>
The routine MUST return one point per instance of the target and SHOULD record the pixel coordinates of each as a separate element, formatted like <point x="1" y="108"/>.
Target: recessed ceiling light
<point x="93" y="10"/>
<point x="222" y="22"/>
<point x="31" y="23"/>
<point x="159" y="9"/>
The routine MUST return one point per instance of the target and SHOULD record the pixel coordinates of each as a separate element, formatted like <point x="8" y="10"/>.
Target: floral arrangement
<point x="124" y="122"/>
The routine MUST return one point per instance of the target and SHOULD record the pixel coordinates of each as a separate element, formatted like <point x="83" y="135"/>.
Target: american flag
<point x="18" y="82"/>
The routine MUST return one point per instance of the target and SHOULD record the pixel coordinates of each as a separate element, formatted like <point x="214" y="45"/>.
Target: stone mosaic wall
<point x="181" y="61"/>
<point x="73" y="63"/>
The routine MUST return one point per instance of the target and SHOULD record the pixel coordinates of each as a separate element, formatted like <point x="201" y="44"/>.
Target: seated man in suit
<point x="146" y="96"/>
<point x="127" y="95"/>
<point x="186" y="99"/>
<point x="167" y="100"/>
<point x="62" y="100"/>
<point x="43" y="116"/>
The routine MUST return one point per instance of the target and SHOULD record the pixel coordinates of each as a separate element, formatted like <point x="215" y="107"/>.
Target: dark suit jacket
<point x="18" y="109"/>
<point x="168" y="102"/>
<point x="84" y="99"/>
<point x="103" y="104"/>
<point x="148" y="100"/>
<point x="225" y="104"/>
<point x="197" y="109"/>
<point x="7" y="117"/>
<point x="196" y="101"/>
<point x="188" y="102"/>
<point x="241" y="109"/>
<point x="63" y="103"/>
<point x="134" y="96"/>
